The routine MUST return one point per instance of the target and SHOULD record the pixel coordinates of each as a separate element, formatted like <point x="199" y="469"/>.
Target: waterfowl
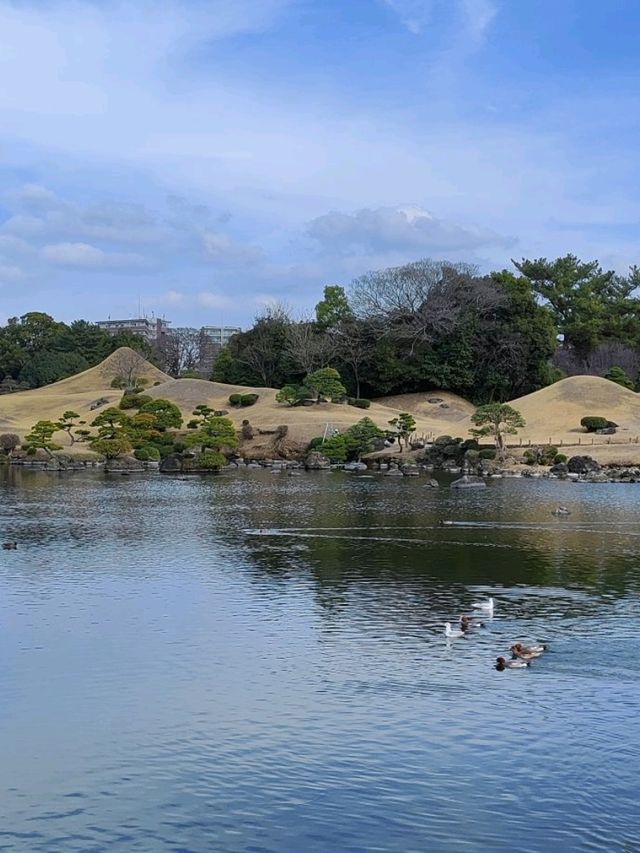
<point x="467" y="624"/>
<point x="561" y="510"/>
<point x="502" y="663"/>
<point x="10" y="546"/>
<point x="527" y="652"/>
<point x="452" y="635"/>
<point x="487" y="605"/>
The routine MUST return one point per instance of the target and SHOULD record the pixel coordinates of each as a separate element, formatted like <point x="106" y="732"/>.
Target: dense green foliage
<point x="616" y="374"/>
<point x="424" y="325"/>
<point x="36" y="350"/>
<point x="438" y="325"/>
<point x="351" y="444"/>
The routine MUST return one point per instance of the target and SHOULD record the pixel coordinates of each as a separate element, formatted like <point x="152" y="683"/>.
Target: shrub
<point x="289" y="394"/>
<point x="616" y="374"/>
<point x="472" y="455"/>
<point x="558" y="458"/>
<point x="235" y="399"/>
<point x="359" y="403"/>
<point x="194" y="423"/>
<point x="487" y="453"/>
<point x="592" y="423"/>
<point x="248" y="399"/>
<point x="118" y="382"/>
<point x="281" y="431"/>
<point x="443" y="439"/>
<point x="147" y="454"/>
<point x="335" y="448"/>
<point x="450" y="450"/>
<point x="9" y="441"/>
<point x="134" y="401"/>
<point x="210" y="460"/>
<point x="531" y="457"/>
<point x="548" y="454"/>
<point x="220" y="413"/>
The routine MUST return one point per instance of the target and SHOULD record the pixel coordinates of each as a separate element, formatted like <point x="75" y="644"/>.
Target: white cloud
<point x="10" y="273"/>
<point x="86" y="256"/>
<point x="413" y="14"/>
<point x="408" y="228"/>
<point x="222" y="249"/>
<point x="214" y="300"/>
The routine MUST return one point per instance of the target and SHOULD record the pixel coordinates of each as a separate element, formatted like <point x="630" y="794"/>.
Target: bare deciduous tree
<point x="181" y="350"/>
<point x="424" y="300"/>
<point x="354" y="344"/>
<point x="127" y="365"/>
<point x="309" y="347"/>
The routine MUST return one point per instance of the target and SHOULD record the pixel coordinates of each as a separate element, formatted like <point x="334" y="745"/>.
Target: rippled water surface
<point x="257" y="663"/>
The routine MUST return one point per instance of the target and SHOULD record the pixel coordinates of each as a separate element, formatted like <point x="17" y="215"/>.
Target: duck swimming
<point x="467" y="624"/>
<point x="502" y="663"/>
<point x="527" y="652"/>
<point x="10" y="546"/>
<point x="487" y="606"/>
<point x="561" y="510"/>
<point x="452" y="635"/>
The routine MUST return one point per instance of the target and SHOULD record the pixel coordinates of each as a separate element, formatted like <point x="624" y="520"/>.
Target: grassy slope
<point x="553" y="412"/>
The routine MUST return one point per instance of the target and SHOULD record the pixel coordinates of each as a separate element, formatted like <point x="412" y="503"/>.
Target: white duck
<point x="485" y="606"/>
<point x="450" y="634"/>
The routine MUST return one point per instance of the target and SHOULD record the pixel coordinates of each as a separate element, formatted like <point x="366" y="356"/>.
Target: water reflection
<point x="174" y="679"/>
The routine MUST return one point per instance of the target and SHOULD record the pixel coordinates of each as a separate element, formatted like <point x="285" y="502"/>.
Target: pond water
<point x="175" y="679"/>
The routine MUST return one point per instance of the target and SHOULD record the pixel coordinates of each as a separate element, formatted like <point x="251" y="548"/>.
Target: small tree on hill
<point x="497" y="420"/>
<point x="404" y="425"/>
<point x="166" y="414"/>
<point x="40" y="437"/>
<point x="290" y="394"/>
<point x="213" y="434"/>
<point x="115" y="429"/>
<point x="67" y="423"/>
<point x="325" y="384"/>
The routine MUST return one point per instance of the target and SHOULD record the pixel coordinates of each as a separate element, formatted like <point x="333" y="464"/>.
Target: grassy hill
<point x="551" y="413"/>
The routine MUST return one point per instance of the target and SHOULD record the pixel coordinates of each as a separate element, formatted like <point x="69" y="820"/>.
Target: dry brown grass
<point x="553" y="413"/>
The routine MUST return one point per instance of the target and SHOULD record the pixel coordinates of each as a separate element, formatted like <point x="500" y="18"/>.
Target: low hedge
<point x="592" y="423"/>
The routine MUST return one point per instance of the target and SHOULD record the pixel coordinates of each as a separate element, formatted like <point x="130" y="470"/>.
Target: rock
<point x="444" y="405"/>
<point x="468" y="482"/>
<point x="606" y="431"/>
<point x="317" y="462"/>
<point x="560" y="470"/>
<point x="582" y="465"/>
<point x="171" y="464"/>
<point x="434" y="400"/>
<point x="410" y="472"/>
<point x="432" y="484"/>
<point x="394" y="472"/>
<point x="597" y="477"/>
<point x="123" y="463"/>
<point x="573" y="477"/>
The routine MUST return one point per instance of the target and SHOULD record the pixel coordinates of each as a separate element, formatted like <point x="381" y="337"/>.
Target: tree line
<point x="432" y="324"/>
<point x="424" y="325"/>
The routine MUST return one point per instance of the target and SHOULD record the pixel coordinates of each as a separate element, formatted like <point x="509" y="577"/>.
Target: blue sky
<point x="206" y="157"/>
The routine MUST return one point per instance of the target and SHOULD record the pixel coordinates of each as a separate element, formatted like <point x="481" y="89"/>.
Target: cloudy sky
<point x="202" y="157"/>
